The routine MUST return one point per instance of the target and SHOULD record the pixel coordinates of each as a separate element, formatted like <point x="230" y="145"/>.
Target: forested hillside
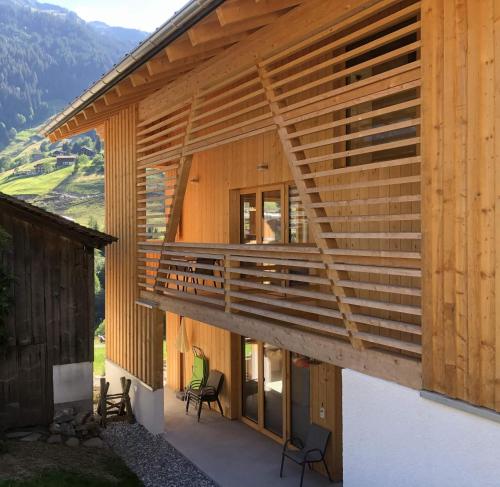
<point x="48" y="56"/>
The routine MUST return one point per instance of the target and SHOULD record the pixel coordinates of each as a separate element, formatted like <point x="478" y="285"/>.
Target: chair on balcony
<point x="210" y="273"/>
<point x="208" y="393"/>
<point x="312" y="451"/>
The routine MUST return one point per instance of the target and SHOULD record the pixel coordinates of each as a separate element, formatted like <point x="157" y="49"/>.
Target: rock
<point x="67" y="430"/>
<point x="64" y="415"/>
<point x="94" y="443"/>
<point x="16" y="435"/>
<point x="83" y="417"/>
<point x="73" y="442"/>
<point x="54" y="439"/>
<point x="55" y="428"/>
<point x="32" y="437"/>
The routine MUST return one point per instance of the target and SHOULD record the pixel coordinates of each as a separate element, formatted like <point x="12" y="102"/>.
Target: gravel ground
<point x="153" y="459"/>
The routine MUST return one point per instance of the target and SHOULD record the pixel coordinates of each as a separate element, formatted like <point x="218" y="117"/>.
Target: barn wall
<point x="134" y="333"/>
<point x="461" y="138"/>
<point x="51" y="321"/>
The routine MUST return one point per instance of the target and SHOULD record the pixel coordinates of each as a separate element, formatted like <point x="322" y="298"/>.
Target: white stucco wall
<point x="395" y="438"/>
<point x="72" y="383"/>
<point x="147" y="405"/>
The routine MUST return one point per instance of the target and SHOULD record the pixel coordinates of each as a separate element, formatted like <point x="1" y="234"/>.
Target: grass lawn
<point x="99" y="356"/>
<point x="43" y="465"/>
<point x="39" y="185"/>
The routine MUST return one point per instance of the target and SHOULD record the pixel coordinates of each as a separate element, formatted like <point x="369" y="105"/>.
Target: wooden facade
<point x="380" y="117"/>
<point x="52" y="317"/>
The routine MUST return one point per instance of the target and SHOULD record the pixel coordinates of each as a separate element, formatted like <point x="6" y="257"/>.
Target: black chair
<point x="209" y="393"/>
<point x="203" y="267"/>
<point x="313" y="451"/>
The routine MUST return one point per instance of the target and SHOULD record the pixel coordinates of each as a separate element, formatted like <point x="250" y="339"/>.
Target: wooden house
<point x="47" y="346"/>
<point x="65" y="161"/>
<point x="314" y="182"/>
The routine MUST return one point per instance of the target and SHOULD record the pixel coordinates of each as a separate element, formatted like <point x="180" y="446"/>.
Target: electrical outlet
<point x="322" y="412"/>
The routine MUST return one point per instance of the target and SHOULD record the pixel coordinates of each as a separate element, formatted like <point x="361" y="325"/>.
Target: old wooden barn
<point x="47" y="351"/>
<point x="313" y="185"/>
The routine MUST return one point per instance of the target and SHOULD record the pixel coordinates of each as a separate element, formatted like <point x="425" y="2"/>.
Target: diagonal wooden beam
<point x="232" y="11"/>
<point x="182" y="179"/>
<point x="210" y="30"/>
<point x="308" y="199"/>
<point x="182" y="48"/>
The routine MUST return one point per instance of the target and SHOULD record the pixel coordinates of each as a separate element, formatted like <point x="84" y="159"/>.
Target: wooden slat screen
<point x="347" y="104"/>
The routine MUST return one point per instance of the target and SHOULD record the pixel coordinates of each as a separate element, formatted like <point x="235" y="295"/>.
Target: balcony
<point x="284" y="285"/>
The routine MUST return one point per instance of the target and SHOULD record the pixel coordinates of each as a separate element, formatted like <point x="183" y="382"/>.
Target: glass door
<point x="263" y="386"/>
<point x="273" y="389"/>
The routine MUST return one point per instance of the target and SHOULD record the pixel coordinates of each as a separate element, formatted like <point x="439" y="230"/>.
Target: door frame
<point x="286" y="397"/>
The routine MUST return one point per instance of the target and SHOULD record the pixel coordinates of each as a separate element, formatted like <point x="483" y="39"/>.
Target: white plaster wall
<point x="72" y="382"/>
<point x="147" y="405"/>
<point x="394" y="437"/>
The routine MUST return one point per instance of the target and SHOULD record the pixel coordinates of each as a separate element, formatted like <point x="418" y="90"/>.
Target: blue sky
<point x="138" y="14"/>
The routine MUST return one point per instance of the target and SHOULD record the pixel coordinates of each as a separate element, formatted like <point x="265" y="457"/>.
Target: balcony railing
<point x="288" y="285"/>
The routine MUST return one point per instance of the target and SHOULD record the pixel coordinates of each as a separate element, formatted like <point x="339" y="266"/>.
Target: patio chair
<point x="203" y="271"/>
<point x="209" y="393"/>
<point x="312" y="451"/>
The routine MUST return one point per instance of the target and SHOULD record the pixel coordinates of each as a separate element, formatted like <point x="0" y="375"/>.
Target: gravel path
<point x="153" y="459"/>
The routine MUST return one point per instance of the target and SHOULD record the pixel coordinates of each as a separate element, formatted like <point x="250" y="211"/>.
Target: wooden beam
<point x="182" y="48"/>
<point x="210" y="30"/>
<point x="387" y="366"/>
<point x="232" y="11"/>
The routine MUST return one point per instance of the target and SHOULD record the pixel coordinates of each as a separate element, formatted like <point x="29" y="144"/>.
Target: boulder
<point x="55" y="428"/>
<point x="17" y="435"/>
<point x="94" y="443"/>
<point x="54" y="439"/>
<point x="73" y="442"/>
<point x="32" y="437"/>
<point x="83" y="417"/>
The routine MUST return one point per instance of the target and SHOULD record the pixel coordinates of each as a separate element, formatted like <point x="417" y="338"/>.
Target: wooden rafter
<point x="183" y="49"/>
<point x="233" y="11"/>
<point x="211" y="30"/>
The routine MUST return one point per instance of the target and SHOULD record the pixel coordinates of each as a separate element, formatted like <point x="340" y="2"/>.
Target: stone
<point x="32" y="437"/>
<point x="54" y="439"/>
<point x="16" y="435"/>
<point x="94" y="443"/>
<point x="82" y="417"/>
<point x="73" y="442"/>
<point x="67" y="430"/>
<point x="55" y="428"/>
<point x="64" y="415"/>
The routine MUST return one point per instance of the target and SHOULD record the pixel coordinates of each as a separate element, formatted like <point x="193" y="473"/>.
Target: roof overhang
<point x="195" y="34"/>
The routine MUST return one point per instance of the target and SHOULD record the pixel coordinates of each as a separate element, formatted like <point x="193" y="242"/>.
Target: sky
<point x="145" y="15"/>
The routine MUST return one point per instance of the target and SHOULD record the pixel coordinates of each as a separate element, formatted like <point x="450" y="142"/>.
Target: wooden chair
<point x="115" y="407"/>
<point x="208" y="393"/>
<point x="312" y="451"/>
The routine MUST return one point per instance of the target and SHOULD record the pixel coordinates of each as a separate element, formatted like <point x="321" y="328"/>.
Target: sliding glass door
<point x="263" y="385"/>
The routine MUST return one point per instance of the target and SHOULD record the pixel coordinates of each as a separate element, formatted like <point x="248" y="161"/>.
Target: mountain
<point x="48" y="56"/>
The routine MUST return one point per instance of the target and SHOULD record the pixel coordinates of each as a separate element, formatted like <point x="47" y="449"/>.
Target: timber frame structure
<point x="369" y="112"/>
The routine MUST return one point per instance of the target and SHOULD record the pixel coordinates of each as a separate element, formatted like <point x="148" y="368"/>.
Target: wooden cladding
<point x="346" y="106"/>
<point x="461" y="193"/>
<point x="134" y="333"/>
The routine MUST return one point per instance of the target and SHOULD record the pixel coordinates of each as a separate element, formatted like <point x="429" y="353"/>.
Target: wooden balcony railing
<point x="283" y="284"/>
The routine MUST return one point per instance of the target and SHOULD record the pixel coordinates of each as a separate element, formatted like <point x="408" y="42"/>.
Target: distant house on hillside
<point x="47" y="356"/>
<point x="88" y="152"/>
<point x="65" y="161"/>
<point x="41" y="169"/>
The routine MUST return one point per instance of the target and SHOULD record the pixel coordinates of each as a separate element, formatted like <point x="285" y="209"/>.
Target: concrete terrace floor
<point x="229" y="452"/>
